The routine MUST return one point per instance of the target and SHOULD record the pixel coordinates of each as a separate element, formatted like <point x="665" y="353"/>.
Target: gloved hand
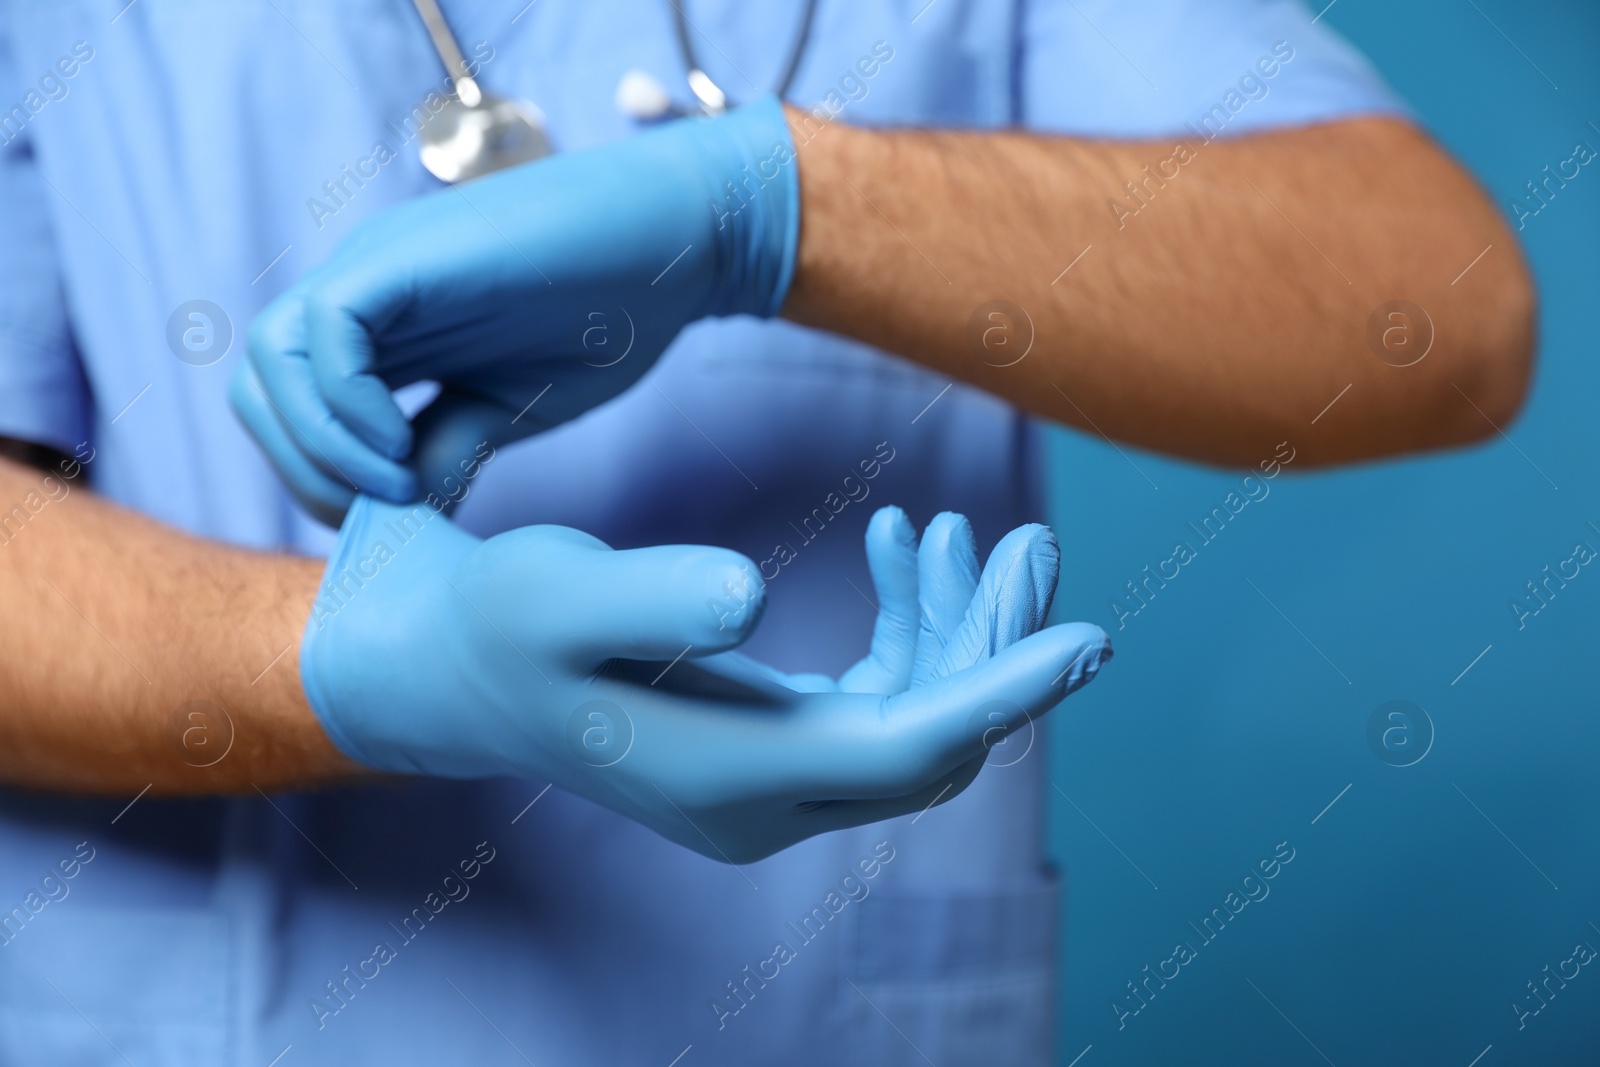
<point x="929" y="624"/>
<point x="570" y="274"/>
<point x="542" y="653"/>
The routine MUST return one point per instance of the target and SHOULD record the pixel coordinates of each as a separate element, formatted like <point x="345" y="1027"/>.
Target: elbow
<point x="1472" y="383"/>
<point x="1493" y="367"/>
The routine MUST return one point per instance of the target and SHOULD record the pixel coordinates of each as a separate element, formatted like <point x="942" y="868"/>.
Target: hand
<point x="542" y="653"/>
<point x="570" y="274"/>
<point x="933" y="617"/>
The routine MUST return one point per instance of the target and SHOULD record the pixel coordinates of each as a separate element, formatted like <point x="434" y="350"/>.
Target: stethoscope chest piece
<point x="475" y="133"/>
<point x="461" y="142"/>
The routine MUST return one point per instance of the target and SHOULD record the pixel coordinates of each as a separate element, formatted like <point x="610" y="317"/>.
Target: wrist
<point x="282" y="742"/>
<point x="836" y="219"/>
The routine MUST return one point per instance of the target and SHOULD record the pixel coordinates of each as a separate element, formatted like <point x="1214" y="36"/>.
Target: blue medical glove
<point x="933" y="616"/>
<point x="542" y="653"/>
<point x="956" y="620"/>
<point x="570" y="274"/>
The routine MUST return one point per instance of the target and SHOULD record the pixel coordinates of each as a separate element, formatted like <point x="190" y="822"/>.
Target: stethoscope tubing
<point x="695" y="72"/>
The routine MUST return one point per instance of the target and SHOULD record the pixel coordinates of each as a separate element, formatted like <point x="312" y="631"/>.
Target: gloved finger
<point x="595" y="604"/>
<point x="948" y="722"/>
<point x="947" y="577"/>
<point x="347" y="303"/>
<point x="892" y="561"/>
<point x="334" y="449"/>
<point x="844" y="814"/>
<point x="1012" y="601"/>
<point x="741" y="669"/>
<point x="454" y="435"/>
<point x="928" y="731"/>
<point x="811" y="683"/>
<point x="324" y="498"/>
<point x="277" y="353"/>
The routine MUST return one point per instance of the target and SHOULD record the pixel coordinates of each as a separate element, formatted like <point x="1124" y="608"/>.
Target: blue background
<point x="1420" y="904"/>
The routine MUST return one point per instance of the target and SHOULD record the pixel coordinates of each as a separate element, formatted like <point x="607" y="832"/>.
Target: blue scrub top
<point x="166" y="152"/>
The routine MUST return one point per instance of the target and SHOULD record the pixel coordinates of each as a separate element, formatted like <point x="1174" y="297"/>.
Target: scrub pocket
<point x="92" y="986"/>
<point x="969" y="979"/>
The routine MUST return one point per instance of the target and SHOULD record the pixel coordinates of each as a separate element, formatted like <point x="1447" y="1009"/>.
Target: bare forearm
<point x="133" y="655"/>
<point x="1214" y="315"/>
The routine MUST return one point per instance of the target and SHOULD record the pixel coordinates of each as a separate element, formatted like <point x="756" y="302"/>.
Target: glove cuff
<point x="357" y="641"/>
<point x="757" y="207"/>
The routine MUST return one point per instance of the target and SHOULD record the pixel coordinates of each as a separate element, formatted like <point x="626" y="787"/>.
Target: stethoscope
<point x="477" y="133"/>
<point x="641" y="96"/>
